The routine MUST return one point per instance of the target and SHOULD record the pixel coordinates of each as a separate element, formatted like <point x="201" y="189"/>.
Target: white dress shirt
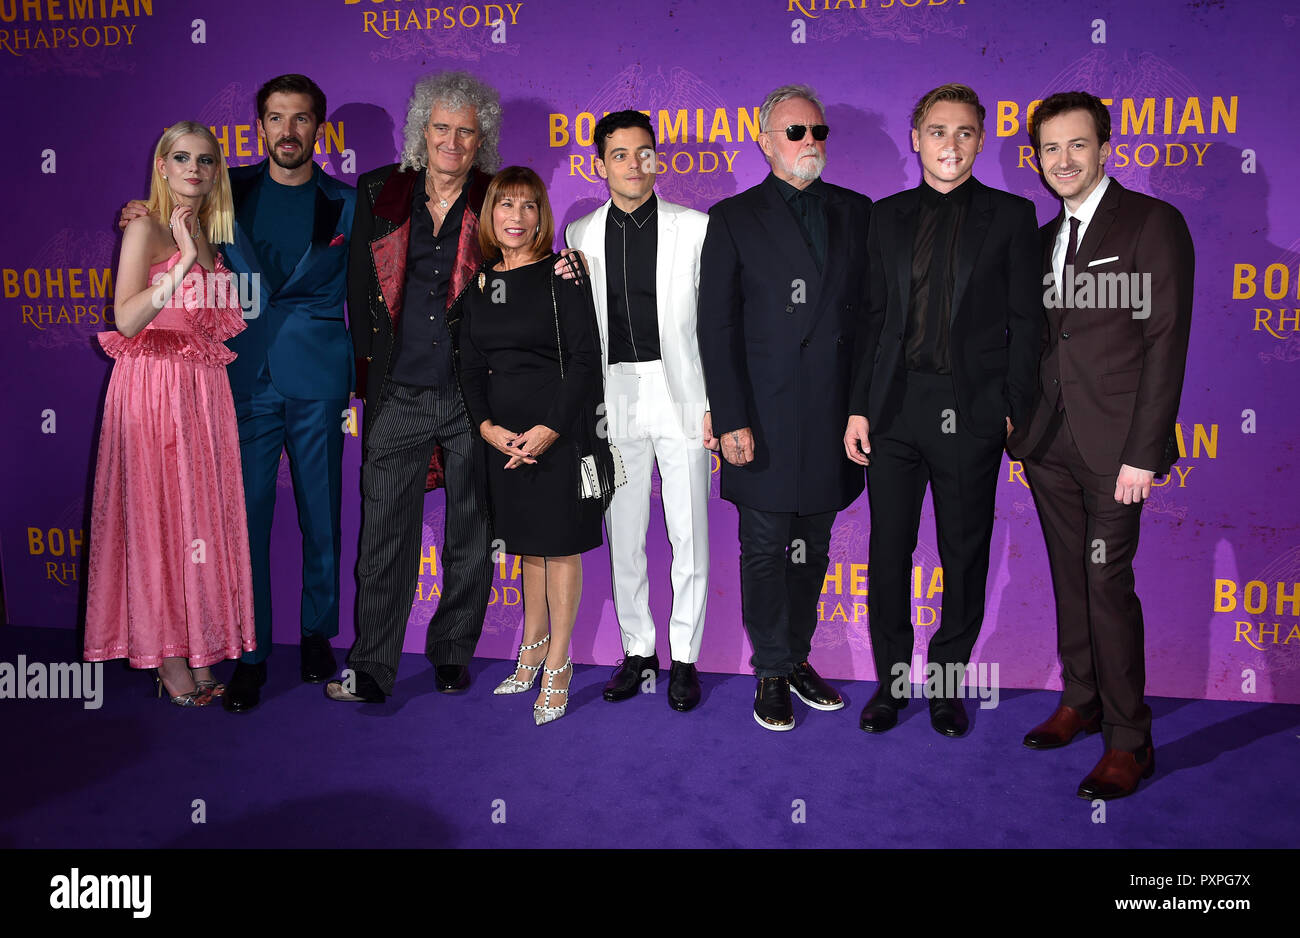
<point x="1084" y="214"/>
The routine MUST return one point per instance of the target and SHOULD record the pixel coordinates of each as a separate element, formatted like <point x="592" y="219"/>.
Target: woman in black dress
<point x="530" y="370"/>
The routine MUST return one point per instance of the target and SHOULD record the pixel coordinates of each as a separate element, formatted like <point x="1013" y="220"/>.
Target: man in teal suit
<point x="293" y="377"/>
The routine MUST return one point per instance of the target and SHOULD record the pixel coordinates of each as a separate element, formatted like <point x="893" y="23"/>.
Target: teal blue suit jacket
<point x="297" y="331"/>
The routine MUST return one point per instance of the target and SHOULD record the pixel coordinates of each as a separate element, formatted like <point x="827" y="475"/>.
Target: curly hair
<point x="455" y="91"/>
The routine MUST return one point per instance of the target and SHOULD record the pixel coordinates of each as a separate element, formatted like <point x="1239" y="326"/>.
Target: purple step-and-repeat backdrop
<point x="1204" y="118"/>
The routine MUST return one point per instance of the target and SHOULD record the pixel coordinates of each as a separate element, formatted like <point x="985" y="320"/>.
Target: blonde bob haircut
<point x="217" y="213"/>
<point x="516" y="182"/>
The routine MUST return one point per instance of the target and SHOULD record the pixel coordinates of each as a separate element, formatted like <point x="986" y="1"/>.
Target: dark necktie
<point x="1072" y="248"/>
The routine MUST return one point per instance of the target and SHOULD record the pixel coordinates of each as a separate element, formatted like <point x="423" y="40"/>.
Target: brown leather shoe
<point x="1117" y="774"/>
<point x="1063" y="725"/>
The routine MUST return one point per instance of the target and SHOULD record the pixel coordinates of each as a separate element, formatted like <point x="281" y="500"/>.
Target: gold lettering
<point x="429" y="559"/>
<point x="1225" y="595"/>
<point x="1132" y="121"/>
<point x="1225" y="112"/>
<point x="1245" y="633"/>
<point x="672" y="131"/>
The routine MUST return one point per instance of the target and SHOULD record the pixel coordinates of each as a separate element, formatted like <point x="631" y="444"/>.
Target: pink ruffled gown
<point x="169" y="574"/>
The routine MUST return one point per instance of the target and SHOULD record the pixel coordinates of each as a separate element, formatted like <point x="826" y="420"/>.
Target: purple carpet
<point x="432" y="770"/>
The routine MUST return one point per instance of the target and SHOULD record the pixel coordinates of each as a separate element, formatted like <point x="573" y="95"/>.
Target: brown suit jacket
<point x="1116" y="358"/>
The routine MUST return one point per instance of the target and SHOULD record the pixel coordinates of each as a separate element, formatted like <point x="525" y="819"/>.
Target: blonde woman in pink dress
<point x="169" y="584"/>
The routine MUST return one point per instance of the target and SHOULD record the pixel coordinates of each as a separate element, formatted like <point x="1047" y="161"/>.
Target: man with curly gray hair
<point x="454" y="91"/>
<point x="414" y="250"/>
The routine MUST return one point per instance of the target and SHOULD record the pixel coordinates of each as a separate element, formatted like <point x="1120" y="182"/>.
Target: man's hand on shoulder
<point x="571" y="264"/>
<point x="134" y="209"/>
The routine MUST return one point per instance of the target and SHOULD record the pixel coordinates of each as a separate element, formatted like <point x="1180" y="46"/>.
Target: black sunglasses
<point x="796" y="131"/>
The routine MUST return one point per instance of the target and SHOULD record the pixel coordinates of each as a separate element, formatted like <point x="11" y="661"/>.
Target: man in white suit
<point x="644" y="256"/>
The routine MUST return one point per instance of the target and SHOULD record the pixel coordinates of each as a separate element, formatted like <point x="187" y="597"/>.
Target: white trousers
<point x="645" y="425"/>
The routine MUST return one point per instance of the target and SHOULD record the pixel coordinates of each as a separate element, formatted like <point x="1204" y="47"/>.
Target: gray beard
<point x="806" y="173"/>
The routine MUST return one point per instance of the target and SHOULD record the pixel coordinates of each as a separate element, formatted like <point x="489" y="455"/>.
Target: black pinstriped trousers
<point x="410" y="422"/>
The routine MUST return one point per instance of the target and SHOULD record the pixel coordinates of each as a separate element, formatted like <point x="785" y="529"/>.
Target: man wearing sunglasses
<point x="782" y="275"/>
<point x="947" y="369"/>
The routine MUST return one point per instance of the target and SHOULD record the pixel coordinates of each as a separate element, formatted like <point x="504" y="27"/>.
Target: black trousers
<point x="410" y="423"/>
<point x="783" y="559"/>
<point x="923" y="442"/>
<point x="1091" y="542"/>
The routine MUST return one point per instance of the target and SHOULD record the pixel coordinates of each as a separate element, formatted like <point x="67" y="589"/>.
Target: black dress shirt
<point x="631" y="250"/>
<point x="423" y="354"/>
<point x="809" y="207"/>
<point x="934" y="256"/>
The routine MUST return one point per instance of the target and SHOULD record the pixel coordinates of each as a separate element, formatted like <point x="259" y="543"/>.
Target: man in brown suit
<point x="1118" y="290"/>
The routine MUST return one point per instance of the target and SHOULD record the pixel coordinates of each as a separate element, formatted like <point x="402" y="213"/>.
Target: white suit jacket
<point x="677" y="280"/>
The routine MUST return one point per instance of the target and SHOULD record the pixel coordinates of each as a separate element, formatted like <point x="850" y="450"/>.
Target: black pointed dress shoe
<point x="365" y="689"/>
<point x="948" y="716"/>
<point x="317" y="659"/>
<point x="623" y="682"/>
<point x="881" y="712"/>
<point x="683" y="687"/>
<point x="451" y="678"/>
<point x="772" y="707"/>
<point x="244" y="689"/>
<point x="809" y="687"/>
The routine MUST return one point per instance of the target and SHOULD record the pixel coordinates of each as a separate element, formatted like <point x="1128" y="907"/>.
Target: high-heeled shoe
<point x="545" y="713"/>
<point x="512" y="686"/>
<point x="212" y="688"/>
<point x="195" y="698"/>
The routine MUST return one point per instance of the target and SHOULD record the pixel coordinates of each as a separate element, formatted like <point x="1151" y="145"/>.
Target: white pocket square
<point x="1103" y="260"/>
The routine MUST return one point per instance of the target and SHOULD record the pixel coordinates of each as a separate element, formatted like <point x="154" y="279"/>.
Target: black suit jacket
<point x="1118" y="366"/>
<point x="997" y="314"/>
<point x="381" y="233"/>
<point x="776" y="342"/>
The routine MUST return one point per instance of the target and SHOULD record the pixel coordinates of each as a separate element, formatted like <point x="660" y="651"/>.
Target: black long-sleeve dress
<point x="510" y="373"/>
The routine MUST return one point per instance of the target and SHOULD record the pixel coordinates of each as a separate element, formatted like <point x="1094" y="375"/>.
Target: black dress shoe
<point x="623" y="682"/>
<point x="948" y="716"/>
<point x="881" y="712"/>
<point x="683" y="686"/>
<point x="809" y="687"/>
<point x="365" y="689"/>
<point x="244" y="689"/>
<point x="451" y="678"/>
<point x="772" y="707"/>
<point x="317" y="659"/>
